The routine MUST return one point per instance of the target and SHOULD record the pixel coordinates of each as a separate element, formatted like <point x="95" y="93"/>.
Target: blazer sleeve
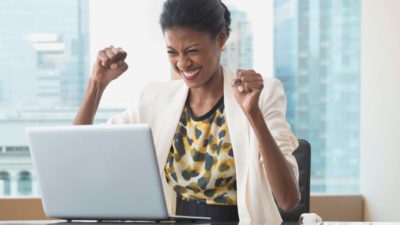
<point x="129" y="116"/>
<point x="273" y="106"/>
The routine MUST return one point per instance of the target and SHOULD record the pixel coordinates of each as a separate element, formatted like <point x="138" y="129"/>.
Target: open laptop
<point x="99" y="172"/>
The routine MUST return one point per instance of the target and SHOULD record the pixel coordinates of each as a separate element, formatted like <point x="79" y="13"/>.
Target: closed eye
<point x="171" y="52"/>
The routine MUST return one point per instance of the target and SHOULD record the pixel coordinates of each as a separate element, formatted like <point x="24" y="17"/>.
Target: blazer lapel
<point x="166" y="131"/>
<point x="240" y="140"/>
<point x="238" y="131"/>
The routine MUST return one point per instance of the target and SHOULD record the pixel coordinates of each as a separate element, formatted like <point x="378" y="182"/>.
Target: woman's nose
<point x="184" y="62"/>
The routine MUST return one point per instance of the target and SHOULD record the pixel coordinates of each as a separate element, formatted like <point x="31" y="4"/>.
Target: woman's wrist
<point x="254" y="115"/>
<point x="87" y="111"/>
<point x="98" y="84"/>
<point x="94" y="91"/>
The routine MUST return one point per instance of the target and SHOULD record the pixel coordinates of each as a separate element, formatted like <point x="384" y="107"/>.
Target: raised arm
<point x="109" y="65"/>
<point x="247" y="88"/>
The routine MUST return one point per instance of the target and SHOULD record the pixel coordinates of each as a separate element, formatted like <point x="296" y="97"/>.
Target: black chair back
<point x="303" y="158"/>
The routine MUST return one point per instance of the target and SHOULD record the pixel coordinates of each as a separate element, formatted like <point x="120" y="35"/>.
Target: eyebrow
<point x="186" y="47"/>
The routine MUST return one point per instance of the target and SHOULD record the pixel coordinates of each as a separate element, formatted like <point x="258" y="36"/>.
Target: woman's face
<point x="194" y="55"/>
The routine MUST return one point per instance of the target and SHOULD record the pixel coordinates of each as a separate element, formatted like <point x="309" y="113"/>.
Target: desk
<point x="62" y="222"/>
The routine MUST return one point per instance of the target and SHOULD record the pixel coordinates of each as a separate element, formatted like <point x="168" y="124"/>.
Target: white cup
<point x="310" y="219"/>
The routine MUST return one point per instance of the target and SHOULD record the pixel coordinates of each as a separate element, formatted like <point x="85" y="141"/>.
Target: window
<point x="324" y="90"/>
<point x="5" y="185"/>
<point x="47" y="49"/>
<point x="24" y="183"/>
<point x="238" y="52"/>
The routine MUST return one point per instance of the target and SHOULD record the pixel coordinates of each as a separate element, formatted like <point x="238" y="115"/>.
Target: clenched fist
<point x="109" y="65"/>
<point x="247" y="87"/>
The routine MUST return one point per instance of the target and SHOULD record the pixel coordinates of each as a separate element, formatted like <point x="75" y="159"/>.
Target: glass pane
<point x="238" y="51"/>
<point x="317" y="58"/>
<point x="24" y="183"/>
<point x="47" y="48"/>
<point x="44" y="56"/>
<point x="46" y="51"/>
<point x="5" y="184"/>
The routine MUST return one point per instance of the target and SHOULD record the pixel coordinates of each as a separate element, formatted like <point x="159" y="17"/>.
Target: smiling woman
<point x="45" y="53"/>
<point x="195" y="51"/>
<point x="231" y="152"/>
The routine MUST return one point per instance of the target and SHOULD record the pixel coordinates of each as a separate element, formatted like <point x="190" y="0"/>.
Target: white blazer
<point x="161" y="104"/>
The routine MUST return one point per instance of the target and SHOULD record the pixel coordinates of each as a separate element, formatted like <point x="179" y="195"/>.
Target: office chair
<point x="303" y="158"/>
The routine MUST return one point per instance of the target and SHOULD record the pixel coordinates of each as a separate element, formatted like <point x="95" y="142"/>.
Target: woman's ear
<point x="222" y="37"/>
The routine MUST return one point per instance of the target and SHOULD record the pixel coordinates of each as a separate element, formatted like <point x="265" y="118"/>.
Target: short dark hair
<point x="202" y="15"/>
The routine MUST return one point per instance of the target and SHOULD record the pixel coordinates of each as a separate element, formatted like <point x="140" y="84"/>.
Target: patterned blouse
<point x="200" y="165"/>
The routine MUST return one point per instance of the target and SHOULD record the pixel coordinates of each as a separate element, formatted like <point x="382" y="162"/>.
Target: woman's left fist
<point x="247" y="87"/>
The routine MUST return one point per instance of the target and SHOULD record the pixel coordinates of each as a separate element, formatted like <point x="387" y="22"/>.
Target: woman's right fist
<point x="110" y="64"/>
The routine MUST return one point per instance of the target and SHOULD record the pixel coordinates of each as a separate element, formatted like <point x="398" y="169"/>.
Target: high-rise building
<point x="2" y="98"/>
<point x="238" y="51"/>
<point x="317" y="57"/>
<point x="43" y="53"/>
<point x="43" y="65"/>
<point x="285" y="53"/>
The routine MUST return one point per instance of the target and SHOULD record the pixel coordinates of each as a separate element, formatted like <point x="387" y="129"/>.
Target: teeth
<point x="191" y="73"/>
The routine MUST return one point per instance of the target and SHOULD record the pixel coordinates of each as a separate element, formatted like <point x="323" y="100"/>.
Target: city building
<point x="317" y="58"/>
<point x="238" y="51"/>
<point x="44" y="57"/>
<point x="50" y="55"/>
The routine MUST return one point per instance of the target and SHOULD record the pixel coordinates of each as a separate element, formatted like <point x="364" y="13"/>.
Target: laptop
<point x="99" y="172"/>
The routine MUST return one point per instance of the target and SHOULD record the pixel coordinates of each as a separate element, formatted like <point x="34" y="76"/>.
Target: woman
<point x="223" y="144"/>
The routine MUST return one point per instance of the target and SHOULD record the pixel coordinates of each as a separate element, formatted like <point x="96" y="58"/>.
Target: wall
<point x="380" y="107"/>
<point x="338" y="207"/>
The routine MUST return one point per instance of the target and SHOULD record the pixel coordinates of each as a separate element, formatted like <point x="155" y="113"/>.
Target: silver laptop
<point x="99" y="172"/>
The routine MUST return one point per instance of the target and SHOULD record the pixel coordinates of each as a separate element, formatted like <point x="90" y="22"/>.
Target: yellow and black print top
<point x="200" y="164"/>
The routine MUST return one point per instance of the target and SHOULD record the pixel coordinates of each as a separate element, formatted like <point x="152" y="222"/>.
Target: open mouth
<point x="190" y="74"/>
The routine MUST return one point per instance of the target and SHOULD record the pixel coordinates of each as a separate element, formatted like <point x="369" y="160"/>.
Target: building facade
<point x="238" y="51"/>
<point x="317" y="58"/>
<point x="44" y="55"/>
